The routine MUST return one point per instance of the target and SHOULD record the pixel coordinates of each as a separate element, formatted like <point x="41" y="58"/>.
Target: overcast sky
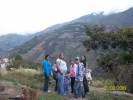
<point x="28" y="16"/>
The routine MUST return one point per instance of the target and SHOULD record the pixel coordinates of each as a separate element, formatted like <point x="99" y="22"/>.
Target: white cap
<point x="77" y="58"/>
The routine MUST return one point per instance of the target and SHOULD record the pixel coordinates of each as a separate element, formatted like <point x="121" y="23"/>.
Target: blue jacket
<point x="47" y="67"/>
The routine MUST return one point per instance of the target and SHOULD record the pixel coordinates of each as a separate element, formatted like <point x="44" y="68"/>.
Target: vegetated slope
<point x="67" y="37"/>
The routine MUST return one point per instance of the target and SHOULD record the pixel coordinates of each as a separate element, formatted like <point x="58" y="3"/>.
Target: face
<point x="48" y="57"/>
<point x="82" y="57"/>
<point x="77" y="61"/>
<point x="61" y="56"/>
<point x="72" y="62"/>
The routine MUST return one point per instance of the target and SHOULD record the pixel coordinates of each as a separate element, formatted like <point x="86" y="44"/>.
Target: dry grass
<point x="33" y="79"/>
<point x="101" y="83"/>
<point x="26" y="72"/>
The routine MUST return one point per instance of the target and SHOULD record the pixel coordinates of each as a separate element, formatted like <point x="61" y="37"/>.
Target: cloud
<point x="35" y="15"/>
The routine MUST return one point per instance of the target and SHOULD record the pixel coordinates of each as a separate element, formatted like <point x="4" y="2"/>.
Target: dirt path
<point x="7" y="90"/>
<point x="122" y="93"/>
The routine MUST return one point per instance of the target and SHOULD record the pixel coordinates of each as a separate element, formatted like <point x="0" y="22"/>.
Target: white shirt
<point x="62" y="65"/>
<point x="88" y="74"/>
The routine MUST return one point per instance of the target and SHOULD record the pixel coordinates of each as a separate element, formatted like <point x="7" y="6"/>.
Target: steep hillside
<point x="11" y="40"/>
<point x="67" y="37"/>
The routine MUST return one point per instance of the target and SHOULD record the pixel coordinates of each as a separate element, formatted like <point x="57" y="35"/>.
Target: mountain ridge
<point x="67" y="37"/>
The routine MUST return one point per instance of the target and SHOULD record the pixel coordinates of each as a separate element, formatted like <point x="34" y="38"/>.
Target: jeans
<point x="66" y="85"/>
<point x="72" y="84"/>
<point x="46" y="83"/>
<point x="60" y="84"/>
<point x="78" y="89"/>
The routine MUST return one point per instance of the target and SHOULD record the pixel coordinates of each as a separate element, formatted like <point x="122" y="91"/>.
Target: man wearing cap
<point x="78" y="85"/>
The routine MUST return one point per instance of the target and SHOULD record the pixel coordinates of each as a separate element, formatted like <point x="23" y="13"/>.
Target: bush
<point x="116" y="52"/>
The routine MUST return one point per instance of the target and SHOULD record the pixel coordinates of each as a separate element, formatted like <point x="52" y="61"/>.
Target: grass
<point x="101" y="83"/>
<point x="34" y="79"/>
<point x="52" y="96"/>
<point x="28" y="77"/>
<point x="94" y="95"/>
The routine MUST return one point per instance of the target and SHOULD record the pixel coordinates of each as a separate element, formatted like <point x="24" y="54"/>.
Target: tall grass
<point x="29" y="77"/>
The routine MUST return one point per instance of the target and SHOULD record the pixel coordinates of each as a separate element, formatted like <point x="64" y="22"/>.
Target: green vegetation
<point x="52" y="96"/>
<point x="94" y="95"/>
<point x="32" y="78"/>
<point x="116" y="52"/>
<point x="28" y="77"/>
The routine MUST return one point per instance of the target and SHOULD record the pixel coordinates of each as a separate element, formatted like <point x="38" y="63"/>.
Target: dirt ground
<point x="8" y="90"/>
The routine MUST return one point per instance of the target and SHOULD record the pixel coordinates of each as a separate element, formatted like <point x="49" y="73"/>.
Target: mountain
<point x="67" y="37"/>
<point x="9" y="41"/>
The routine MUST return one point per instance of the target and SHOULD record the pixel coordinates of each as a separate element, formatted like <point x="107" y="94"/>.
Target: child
<point x="88" y="75"/>
<point x="66" y="82"/>
<point x="72" y="74"/>
<point x="55" y="74"/>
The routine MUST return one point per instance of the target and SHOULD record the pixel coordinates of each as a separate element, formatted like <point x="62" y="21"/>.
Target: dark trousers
<point x="46" y="83"/>
<point x="85" y="83"/>
<point x="56" y="80"/>
<point x="72" y="84"/>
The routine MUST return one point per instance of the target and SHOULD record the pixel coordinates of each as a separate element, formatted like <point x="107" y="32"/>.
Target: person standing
<point x="62" y="69"/>
<point x="78" y="85"/>
<point x="66" y="82"/>
<point x="83" y="60"/>
<point x="47" y="68"/>
<point x="55" y="75"/>
<point x="72" y="75"/>
<point x="85" y="82"/>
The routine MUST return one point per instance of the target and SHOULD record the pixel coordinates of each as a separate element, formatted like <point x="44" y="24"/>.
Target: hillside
<point x="67" y="37"/>
<point x="9" y="41"/>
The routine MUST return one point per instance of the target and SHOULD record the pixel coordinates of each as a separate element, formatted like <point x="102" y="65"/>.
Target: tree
<point x="116" y="52"/>
<point x="17" y="61"/>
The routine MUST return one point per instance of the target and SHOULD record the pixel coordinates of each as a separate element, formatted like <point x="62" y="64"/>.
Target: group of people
<point x="77" y="75"/>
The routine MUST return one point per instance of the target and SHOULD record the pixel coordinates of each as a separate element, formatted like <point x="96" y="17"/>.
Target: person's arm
<point x="50" y="68"/>
<point x="71" y="70"/>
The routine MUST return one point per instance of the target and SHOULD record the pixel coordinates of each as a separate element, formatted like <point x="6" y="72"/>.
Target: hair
<point x="46" y="56"/>
<point x="84" y="57"/>
<point x="84" y="60"/>
<point x="60" y="54"/>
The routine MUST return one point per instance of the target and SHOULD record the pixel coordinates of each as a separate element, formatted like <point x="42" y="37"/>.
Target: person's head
<point x="72" y="62"/>
<point x="61" y="56"/>
<point x="77" y="60"/>
<point x="47" y="56"/>
<point x="83" y="57"/>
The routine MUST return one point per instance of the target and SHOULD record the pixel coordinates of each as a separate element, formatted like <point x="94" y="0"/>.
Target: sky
<point x="30" y="16"/>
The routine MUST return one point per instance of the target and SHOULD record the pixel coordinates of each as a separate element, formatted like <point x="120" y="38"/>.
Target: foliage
<point x="18" y="57"/>
<point x="116" y="52"/>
